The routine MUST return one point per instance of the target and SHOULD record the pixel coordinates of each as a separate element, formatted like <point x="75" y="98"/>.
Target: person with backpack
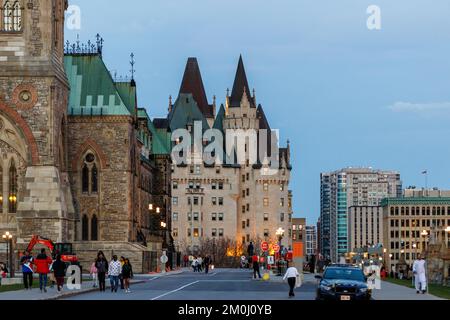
<point x="42" y="263"/>
<point x="59" y="270"/>
<point x="127" y="274"/>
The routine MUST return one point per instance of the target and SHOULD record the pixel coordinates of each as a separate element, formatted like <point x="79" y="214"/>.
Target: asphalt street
<point x="220" y="284"/>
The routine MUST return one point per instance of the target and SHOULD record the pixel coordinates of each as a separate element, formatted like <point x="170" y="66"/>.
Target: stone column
<point x="43" y="209"/>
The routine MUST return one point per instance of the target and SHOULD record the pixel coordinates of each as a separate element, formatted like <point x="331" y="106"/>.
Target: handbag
<point x="299" y="281"/>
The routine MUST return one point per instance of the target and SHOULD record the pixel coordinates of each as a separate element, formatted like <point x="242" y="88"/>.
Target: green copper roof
<point x="92" y="89"/>
<point x="127" y="92"/>
<point x="184" y="112"/>
<point x="159" y="146"/>
<point x="218" y="123"/>
<point x="416" y="201"/>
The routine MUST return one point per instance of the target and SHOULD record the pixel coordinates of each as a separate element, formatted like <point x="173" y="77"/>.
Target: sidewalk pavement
<point x="86" y="287"/>
<point x="390" y="291"/>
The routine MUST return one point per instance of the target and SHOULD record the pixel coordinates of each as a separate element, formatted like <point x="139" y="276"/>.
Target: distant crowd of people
<point x="198" y="263"/>
<point x="52" y="272"/>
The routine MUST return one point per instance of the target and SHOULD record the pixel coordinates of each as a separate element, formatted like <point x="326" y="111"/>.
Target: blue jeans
<point x="42" y="281"/>
<point x="114" y="282"/>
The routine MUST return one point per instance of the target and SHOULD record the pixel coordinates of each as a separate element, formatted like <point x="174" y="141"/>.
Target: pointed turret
<point x="193" y="84"/>
<point x="240" y="86"/>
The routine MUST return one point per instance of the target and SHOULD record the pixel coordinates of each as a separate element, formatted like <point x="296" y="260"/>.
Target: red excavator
<point x="64" y="249"/>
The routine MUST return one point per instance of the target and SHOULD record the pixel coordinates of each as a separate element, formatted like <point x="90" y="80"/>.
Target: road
<point x="220" y="284"/>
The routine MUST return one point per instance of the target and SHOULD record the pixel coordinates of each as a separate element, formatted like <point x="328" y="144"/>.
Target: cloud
<point x="419" y="107"/>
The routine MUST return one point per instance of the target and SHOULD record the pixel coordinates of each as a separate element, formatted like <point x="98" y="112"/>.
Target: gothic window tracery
<point x="11" y="16"/>
<point x="90" y="174"/>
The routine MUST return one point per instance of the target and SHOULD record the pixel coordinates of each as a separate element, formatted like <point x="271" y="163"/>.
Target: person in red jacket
<point x="42" y="263"/>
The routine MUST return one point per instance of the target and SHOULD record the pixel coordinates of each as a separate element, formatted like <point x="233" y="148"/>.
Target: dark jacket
<point x="127" y="271"/>
<point x="59" y="268"/>
<point x="101" y="265"/>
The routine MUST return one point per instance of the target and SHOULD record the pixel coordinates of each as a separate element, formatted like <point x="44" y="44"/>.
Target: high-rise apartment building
<point x="347" y="188"/>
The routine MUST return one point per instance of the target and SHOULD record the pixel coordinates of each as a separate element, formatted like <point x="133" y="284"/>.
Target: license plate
<point x="345" y="298"/>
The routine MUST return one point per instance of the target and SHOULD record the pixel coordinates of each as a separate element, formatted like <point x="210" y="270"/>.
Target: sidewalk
<point x="86" y="286"/>
<point x="390" y="291"/>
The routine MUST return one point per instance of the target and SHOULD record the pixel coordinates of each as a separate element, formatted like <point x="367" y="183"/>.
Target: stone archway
<point x="13" y="152"/>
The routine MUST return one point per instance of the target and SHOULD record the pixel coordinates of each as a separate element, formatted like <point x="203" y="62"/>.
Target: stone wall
<point x="139" y="255"/>
<point x="108" y="138"/>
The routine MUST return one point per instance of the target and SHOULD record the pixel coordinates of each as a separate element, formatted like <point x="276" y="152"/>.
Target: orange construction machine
<point x="64" y="249"/>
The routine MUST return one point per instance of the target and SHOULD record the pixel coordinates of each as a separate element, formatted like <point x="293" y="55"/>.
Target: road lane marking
<point x="176" y="290"/>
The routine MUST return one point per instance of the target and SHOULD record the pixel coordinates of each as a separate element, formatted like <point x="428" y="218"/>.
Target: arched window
<point x="17" y="17"/>
<point x="12" y="197"/>
<point x="85" y="179"/>
<point x="7" y="17"/>
<point x="85" y="228"/>
<point x="94" y="228"/>
<point x="94" y="178"/>
<point x="90" y="174"/>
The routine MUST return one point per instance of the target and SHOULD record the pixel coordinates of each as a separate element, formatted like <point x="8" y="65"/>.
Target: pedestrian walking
<point x="199" y="265"/>
<point x="122" y="262"/>
<point x="102" y="267"/>
<point x="59" y="270"/>
<point x="27" y="270"/>
<point x="256" y="268"/>
<point x="42" y="263"/>
<point x="51" y="276"/>
<point x="207" y="263"/>
<point x="94" y="274"/>
<point x="420" y="274"/>
<point x="127" y="274"/>
<point x="292" y="276"/>
<point x="114" y="270"/>
<point x="195" y="264"/>
<point x="186" y="260"/>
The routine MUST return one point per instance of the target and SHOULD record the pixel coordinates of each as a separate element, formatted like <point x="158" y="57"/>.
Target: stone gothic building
<point x="80" y="162"/>
<point x="238" y="201"/>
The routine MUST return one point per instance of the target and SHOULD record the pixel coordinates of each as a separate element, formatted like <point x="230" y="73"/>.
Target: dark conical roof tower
<point x="193" y="84"/>
<point x="240" y="85"/>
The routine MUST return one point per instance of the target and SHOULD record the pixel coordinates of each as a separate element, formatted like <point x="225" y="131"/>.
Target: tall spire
<point x="193" y="84"/>
<point x="240" y="86"/>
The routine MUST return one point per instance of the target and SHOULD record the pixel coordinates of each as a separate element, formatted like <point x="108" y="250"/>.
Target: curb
<point x="80" y="292"/>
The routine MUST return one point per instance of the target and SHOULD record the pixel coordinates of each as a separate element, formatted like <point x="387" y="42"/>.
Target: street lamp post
<point x="7" y="237"/>
<point x="447" y="231"/>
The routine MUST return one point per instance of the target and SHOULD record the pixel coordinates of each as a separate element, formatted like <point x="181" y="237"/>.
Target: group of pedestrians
<point x="199" y="264"/>
<point x="118" y="270"/>
<point x="44" y="266"/>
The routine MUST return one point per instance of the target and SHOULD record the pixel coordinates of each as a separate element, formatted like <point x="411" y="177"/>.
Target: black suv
<point x="343" y="282"/>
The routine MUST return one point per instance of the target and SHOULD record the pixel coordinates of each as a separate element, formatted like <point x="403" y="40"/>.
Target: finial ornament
<point x="89" y="48"/>
<point x="132" y="63"/>
<point x="228" y="92"/>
